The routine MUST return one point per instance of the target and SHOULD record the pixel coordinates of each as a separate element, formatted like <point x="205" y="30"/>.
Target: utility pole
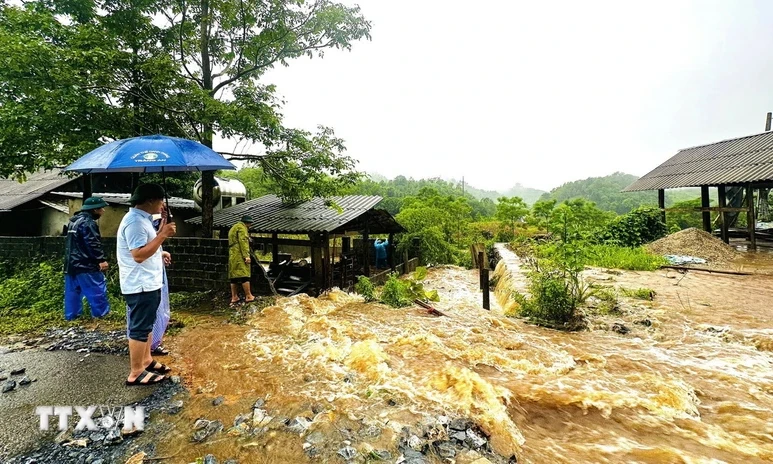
<point x="768" y="121"/>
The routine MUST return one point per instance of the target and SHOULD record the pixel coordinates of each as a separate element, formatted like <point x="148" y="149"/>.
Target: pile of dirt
<point x="694" y="242"/>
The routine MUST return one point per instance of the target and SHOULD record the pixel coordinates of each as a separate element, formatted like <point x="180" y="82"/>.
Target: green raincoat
<point x="238" y="251"/>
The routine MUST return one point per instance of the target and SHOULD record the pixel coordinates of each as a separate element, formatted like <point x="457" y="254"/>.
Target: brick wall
<point x="198" y="263"/>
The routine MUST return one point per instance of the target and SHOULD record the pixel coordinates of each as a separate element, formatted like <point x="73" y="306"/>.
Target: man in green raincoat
<point x="239" y="260"/>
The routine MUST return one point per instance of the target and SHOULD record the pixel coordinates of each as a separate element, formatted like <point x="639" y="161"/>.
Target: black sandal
<point x="158" y="368"/>
<point x="154" y="379"/>
<point x="160" y="351"/>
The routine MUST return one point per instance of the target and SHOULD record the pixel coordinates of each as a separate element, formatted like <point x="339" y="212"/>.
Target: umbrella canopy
<point x="152" y="153"/>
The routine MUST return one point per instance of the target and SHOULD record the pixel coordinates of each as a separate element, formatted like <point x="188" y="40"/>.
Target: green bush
<point x="396" y="293"/>
<point x="365" y="288"/>
<point x="640" y="226"/>
<point x="32" y="297"/>
<point x="399" y="293"/>
<point x="551" y="297"/>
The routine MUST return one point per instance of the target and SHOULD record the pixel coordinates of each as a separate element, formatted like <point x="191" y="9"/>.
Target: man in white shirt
<point x="141" y="269"/>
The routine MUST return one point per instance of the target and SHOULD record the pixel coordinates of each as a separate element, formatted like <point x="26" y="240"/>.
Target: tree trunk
<point x="207" y="178"/>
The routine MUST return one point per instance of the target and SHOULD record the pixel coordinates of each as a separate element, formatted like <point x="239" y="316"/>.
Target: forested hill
<point x="606" y="193"/>
<point x="528" y="194"/>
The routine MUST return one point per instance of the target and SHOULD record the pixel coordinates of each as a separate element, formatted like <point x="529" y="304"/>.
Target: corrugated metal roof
<point x="14" y="193"/>
<point x="271" y="215"/>
<point x="734" y="161"/>
<point x="123" y="199"/>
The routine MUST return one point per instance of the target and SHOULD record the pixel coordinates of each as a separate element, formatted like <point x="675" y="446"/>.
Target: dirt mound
<point x="694" y="242"/>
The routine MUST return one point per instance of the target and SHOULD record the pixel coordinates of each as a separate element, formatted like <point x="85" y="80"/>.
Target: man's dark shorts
<point x="240" y="280"/>
<point x="142" y="313"/>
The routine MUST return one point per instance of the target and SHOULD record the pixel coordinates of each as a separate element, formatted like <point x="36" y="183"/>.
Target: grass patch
<point x="616" y="257"/>
<point x="643" y="293"/>
<point x="607" y="299"/>
<point x="188" y="300"/>
<point x="32" y="299"/>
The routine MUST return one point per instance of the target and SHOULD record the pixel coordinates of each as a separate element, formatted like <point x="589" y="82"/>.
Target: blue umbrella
<point x="151" y="153"/>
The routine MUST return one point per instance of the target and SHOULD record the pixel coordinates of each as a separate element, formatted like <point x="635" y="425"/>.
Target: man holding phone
<point x="141" y="265"/>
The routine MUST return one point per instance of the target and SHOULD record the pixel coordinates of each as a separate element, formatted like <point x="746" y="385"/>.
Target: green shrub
<point x="32" y="297"/>
<point x="396" y="293"/>
<point x="365" y="288"/>
<point x="639" y="293"/>
<point x="640" y="226"/>
<point x="399" y="293"/>
<point x="551" y="297"/>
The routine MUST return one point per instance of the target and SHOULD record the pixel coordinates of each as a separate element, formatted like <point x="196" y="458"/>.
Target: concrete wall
<point x="52" y="222"/>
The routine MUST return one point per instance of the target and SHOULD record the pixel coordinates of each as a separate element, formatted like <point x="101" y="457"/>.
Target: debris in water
<point x="348" y="453"/>
<point x="138" y="458"/>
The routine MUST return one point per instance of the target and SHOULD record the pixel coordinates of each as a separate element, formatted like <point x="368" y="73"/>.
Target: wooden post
<point x="275" y="249"/>
<point x="662" y="204"/>
<point x="705" y="204"/>
<point x="722" y="196"/>
<point x="750" y="219"/>
<point x="405" y="261"/>
<point x="343" y="274"/>
<point x="317" y="262"/>
<point x="481" y="267"/>
<point x="391" y="252"/>
<point x="346" y="244"/>
<point x="87" y="190"/>
<point x="207" y="202"/>
<point x="327" y="268"/>
<point x="366" y="250"/>
<point x="486" y="295"/>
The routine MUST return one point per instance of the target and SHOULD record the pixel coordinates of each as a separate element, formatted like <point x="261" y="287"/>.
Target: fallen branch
<point x="715" y="271"/>
<point x="429" y="308"/>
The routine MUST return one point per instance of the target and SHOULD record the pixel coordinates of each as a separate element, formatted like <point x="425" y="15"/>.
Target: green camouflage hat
<point x="93" y="203"/>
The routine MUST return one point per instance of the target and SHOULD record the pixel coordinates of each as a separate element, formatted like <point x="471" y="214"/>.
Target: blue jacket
<point x="83" y="245"/>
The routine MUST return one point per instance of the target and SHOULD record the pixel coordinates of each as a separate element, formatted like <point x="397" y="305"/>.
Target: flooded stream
<point x="691" y="382"/>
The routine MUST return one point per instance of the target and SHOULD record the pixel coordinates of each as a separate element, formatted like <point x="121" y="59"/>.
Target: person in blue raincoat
<point x="381" y="253"/>
<point x="85" y="262"/>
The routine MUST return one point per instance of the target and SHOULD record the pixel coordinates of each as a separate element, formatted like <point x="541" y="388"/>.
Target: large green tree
<point x="511" y="210"/>
<point x="78" y="73"/>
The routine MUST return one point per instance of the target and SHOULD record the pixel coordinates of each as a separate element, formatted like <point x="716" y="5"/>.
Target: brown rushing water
<point x="695" y="386"/>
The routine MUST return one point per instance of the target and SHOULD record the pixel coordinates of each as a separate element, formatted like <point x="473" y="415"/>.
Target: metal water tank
<point x="227" y="192"/>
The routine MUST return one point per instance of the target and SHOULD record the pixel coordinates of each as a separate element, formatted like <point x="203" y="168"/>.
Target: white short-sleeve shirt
<point x="136" y="230"/>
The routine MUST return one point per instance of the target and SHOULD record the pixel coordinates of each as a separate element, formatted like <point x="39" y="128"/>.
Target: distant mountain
<point x="528" y="194"/>
<point x="376" y="177"/>
<point x="605" y="192"/>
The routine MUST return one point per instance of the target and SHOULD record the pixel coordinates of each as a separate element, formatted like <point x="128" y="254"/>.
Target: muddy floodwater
<point x="689" y="380"/>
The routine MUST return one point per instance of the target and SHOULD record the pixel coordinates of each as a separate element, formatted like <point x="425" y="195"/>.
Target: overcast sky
<point x="537" y="92"/>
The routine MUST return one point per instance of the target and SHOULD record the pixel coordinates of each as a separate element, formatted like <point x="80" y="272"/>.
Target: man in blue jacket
<point x="85" y="262"/>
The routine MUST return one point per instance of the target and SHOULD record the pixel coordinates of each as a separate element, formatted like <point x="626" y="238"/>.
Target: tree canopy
<point x="79" y="73"/>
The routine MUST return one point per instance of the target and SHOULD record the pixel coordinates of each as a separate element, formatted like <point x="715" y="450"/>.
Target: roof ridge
<point x="725" y="140"/>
